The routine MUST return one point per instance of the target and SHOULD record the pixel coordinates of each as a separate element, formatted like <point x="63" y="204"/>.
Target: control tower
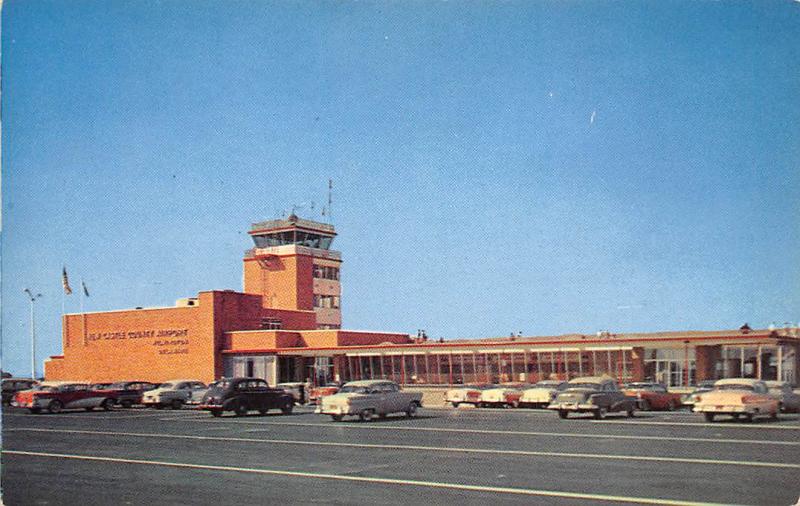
<point x="293" y="267"/>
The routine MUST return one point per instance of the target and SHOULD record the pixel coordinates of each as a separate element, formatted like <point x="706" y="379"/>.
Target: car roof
<point x="737" y="381"/>
<point x="184" y="381"/>
<point x="592" y="379"/>
<point x="776" y="383"/>
<point x="366" y="383"/>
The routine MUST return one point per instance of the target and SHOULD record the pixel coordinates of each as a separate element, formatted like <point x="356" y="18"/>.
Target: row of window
<point x="326" y="272"/>
<point x="326" y="301"/>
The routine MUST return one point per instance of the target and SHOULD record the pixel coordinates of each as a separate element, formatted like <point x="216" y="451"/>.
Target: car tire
<point x="55" y="407"/>
<point x="107" y="404"/>
<point x="456" y="404"/>
<point x="89" y="408"/>
<point x="263" y="412"/>
<point x="748" y="417"/>
<point x="337" y="418"/>
<point x="563" y="414"/>
<point x="35" y="411"/>
<point x="599" y="413"/>
<point x="644" y="405"/>
<point x="365" y="415"/>
<point x="126" y="404"/>
<point x="631" y="412"/>
<point x="176" y="404"/>
<point x="411" y="410"/>
<point x="735" y="416"/>
<point x="240" y="409"/>
<point x="709" y="417"/>
<point x="286" y="409"/>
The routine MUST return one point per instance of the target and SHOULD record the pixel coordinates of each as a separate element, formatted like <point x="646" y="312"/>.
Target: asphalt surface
<point x="444" y="456"/>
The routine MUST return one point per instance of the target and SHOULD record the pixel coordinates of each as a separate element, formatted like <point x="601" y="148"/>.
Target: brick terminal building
<point x="286" y="326"/>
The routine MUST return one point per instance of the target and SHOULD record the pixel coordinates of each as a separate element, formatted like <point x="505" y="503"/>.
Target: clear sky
<point x="538" y="166"/>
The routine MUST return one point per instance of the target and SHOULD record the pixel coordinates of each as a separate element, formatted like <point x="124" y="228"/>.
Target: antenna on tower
<point x="330" y="200"/>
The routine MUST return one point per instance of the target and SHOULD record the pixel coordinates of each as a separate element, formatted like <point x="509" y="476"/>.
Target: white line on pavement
<point x="443" y="449"/>
<point x="700" y="424"/>
<point x="367" y="479"/>
<point x="499" y="432"/>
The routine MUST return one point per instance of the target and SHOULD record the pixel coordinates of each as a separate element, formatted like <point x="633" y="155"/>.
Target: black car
<point x="241" y="395"/>
<point x="129" y="393"/>
<point x="13" y="385"/>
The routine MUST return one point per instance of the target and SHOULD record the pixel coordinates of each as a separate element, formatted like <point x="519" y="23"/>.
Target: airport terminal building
<point x="286" y="325"/>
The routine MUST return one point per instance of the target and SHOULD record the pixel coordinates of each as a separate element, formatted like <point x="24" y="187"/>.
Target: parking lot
<point x="444" y="456"/>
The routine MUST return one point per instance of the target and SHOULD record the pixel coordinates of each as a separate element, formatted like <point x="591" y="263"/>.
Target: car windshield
<point x="221" y="384"/>
<point x="353" y="389"/>
<point x="734" y="386"/>
<point x="167" y="385"/>
<point x="117" y="386"/>
<point x="593" y="386"/>
<point x="642" y="386"/>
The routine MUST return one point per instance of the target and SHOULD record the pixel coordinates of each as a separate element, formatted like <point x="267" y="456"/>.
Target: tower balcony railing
<point x="293" y="249"/>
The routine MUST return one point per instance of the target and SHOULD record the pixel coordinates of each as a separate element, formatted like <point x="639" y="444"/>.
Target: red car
<point x="652" y="396"/>
<point x="54" y="397"/>
<point x="317" y="393"/>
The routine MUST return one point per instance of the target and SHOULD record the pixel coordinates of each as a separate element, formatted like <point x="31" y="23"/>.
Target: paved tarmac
<point x="444" y="456"/>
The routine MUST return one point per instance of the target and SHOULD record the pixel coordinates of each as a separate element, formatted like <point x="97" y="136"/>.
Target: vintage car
<point x="468" y="394"/>
<point x="297" y="389"/>
<point x="241" y="395"/>
<point x="737" y="397"/>
<point x="788" y="401"/>
<point x="369" y="398"/>
<point x="57" y="396"/>
<point x="691" y="398"/>
<point x="652" y="396"/>
<point x="13" y="385"/>
<point x="129" y="393"/>
<point x="315" y="394"/>
<point x="175" y="393"/>
<point x="503" y="396"/>
<point x="541" y="394"/>
<point x="594" y="394"/>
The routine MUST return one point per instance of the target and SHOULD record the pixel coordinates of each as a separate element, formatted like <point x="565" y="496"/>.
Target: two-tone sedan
<point x="652" y="396"/>
<point x="737" y="397"/>
<point x="175" y="393"/>
<point x="594" y="394"/>
<point x="468" y="394"/>
<point x="503" y="396"/>
<point x="541" y="394"/>
<point x="694" y="396"/>
<point x="57" y="396"/>
<point x="368" y="399"/>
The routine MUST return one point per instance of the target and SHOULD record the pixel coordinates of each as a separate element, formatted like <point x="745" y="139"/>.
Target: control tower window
<point x="326" y="272"/>
<point x="307" y="239"/>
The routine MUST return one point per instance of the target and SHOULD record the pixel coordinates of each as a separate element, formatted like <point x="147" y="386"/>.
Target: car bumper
<point x="335" y="410"/>
<point x="724" y="409"/>
<point x="579" y="407"/>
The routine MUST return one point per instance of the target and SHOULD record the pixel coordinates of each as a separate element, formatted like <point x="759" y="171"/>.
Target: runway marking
<point x="503" y="432"/>
<point x="701" y="424"/>
<point x="441" y="449"/>
<point x="368" y="479"/>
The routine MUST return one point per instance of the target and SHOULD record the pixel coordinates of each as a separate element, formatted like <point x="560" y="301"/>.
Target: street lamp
<point x="33" y="298"/>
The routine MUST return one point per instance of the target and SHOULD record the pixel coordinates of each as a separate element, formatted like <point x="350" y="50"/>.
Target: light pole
<point x="33" y="298"/>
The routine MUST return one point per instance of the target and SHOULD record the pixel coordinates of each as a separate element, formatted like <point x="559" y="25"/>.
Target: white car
<point x="468" y="394"/>
<point x="501" y="397"/>
<point x="175" y="393"/>
<point x="541" y="394"/>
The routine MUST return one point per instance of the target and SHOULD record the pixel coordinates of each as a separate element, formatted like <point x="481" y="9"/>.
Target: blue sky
<point x="473" y="194"/>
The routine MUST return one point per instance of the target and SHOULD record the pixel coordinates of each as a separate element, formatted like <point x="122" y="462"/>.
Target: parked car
<point x="13" y="385"/>
<point x="317" y="393"/>
<point x="242" y="395"/>
<point x="594" y="394"/>
<point x="175" y="393"/>
<point x="57" y="396"/>
<point x="500" y="396"/>
<point x="652" y="396"/>
<point x="691" y="398"/>
<point x="297" y="389"/>
<point x="129" y="393"/>
<point x="788" y="400"/>
<point x="468" y="394"/>
<point x="541" y="394"/>
<point x="369" y="398"/>
<point x="737" y="397"/>
<point x="99" y="386"/>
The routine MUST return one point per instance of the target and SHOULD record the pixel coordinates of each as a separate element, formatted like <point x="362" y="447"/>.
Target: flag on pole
<point x="85" y="290"/>
<point x="65" y="281"/>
